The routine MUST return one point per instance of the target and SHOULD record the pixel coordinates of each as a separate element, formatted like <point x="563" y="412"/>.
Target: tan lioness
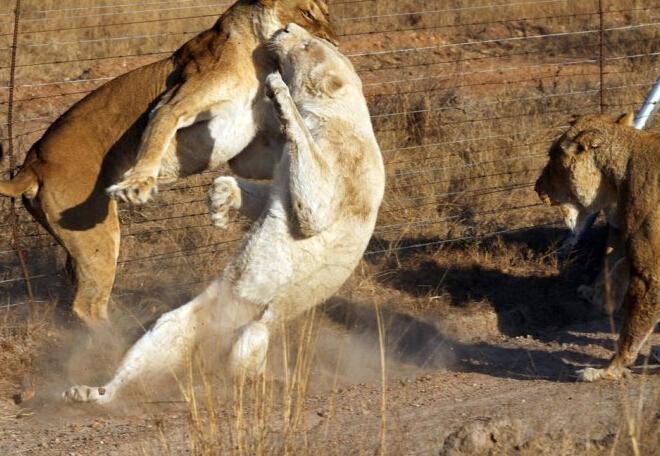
<point x="599" y="164"/>
<point x="206" y="104"/>
<point x="313" y="223"/>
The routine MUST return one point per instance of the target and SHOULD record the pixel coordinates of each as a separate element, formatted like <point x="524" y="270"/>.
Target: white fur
<point x="279" y="272"/>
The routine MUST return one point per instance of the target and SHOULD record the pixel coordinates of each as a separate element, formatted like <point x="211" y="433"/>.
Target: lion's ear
<point x="331" y="84"/>
<point x="627" y="120"/>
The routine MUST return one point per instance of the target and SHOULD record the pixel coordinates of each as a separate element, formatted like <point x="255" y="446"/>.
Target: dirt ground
<point x="498" y="396"/>
<point x="466" y="372"/>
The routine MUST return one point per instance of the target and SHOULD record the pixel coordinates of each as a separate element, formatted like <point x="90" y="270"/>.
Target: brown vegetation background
<point x="465" y="98"/>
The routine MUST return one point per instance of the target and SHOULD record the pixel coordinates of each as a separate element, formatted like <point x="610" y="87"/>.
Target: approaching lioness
<point x="206" y="104"/>
<point x="314" y="222"/>
<point x="599" y="164"/>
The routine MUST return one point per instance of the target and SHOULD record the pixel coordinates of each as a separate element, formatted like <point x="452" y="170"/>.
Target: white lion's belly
<point x="289" y="275"/>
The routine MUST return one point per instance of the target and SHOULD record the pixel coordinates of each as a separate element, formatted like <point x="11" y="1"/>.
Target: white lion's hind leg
<point x="248" y="355"/>
<point x="161" y="351"/>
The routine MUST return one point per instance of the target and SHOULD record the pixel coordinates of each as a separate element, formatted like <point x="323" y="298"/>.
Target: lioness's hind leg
<point x="93" y="253"/>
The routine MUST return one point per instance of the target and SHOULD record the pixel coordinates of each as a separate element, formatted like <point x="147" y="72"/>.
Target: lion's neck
<point x="265" y="23"/>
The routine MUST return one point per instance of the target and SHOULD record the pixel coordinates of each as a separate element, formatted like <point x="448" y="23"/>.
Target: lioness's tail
<point x="24" y="183"/>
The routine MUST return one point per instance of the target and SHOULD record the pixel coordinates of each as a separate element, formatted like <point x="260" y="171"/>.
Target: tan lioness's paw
<point x="591" y="374"/>
<point x="136" y="188"/>
<point x="224" y="195"/>
<point x="83" y="394"/>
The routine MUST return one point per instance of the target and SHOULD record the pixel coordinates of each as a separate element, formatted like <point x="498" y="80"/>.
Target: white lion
<point x="314" y="222"/>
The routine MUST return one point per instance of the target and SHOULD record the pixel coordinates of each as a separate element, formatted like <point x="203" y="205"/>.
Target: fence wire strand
<point x="453" y="161"/>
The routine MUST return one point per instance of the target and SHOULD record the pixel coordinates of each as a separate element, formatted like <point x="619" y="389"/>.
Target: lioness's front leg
<point x="639" y="322"/>
<point x="189" y="105"/>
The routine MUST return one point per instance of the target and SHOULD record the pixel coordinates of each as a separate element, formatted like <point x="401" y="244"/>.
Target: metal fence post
<point x="649" y="107"/>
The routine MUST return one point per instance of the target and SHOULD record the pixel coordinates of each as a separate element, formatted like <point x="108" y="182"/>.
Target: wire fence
<point x="465" y="96"/>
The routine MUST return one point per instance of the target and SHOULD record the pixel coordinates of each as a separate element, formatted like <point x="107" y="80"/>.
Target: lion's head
<point x="312" y="66"/>
<point x="573" y="176"/>
<point x="313" y="15"/>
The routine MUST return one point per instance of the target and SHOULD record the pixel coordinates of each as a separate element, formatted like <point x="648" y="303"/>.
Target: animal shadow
<point x="415" y="341"/>
<point x="524" y="302"/>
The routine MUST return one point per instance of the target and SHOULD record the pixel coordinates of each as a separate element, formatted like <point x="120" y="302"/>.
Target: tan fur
<point x="95" y="143"/>
<point x="599" y="164"/>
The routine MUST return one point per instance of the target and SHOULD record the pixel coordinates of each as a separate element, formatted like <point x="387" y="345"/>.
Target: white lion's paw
<point x="275" y="85"/>
<point x="248" y="355"/>
<point x="224" y="195"/>
<point x="83" y="393"/>
<point x="591" y="374"/>
<point x="136" y="188"/>
<point x="278" y="92"/>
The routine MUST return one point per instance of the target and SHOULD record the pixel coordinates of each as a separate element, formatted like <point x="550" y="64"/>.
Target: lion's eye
<point x="307" y="15"/>
<point x="581" y="148"/>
